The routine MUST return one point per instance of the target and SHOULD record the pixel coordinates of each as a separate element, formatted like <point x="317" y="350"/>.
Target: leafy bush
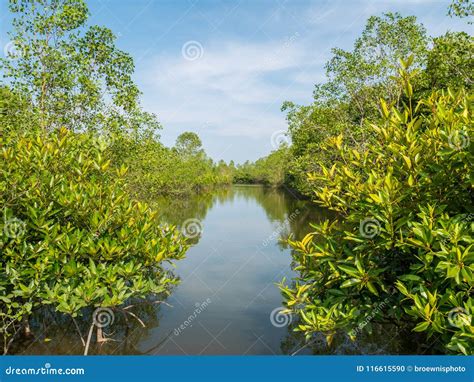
<point x="270" y="170"/>
<point x="71" y="237"/>
<point x="355" y="80"/>
<point x="401" y="249"/>
<point x="155" y="170"/>
<point x="451" y="63"/>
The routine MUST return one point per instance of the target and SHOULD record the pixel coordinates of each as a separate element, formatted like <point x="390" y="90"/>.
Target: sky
<point x="223" y="69"/>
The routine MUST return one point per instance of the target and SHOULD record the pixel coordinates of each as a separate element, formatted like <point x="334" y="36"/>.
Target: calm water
<point x="227" y="293"/>
<point x="233" y="267"/>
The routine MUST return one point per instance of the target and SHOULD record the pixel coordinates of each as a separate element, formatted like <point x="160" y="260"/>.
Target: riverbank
<point x="227" y="287"/>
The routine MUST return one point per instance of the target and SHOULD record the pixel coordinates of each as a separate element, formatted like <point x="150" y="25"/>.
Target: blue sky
<point x="223" y="68"/>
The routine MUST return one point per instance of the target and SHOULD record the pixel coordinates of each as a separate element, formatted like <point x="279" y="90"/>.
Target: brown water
<point x="227" y="301"/>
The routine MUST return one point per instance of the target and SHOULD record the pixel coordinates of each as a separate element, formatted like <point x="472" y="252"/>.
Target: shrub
<point x="71" y="237"/>
<point x="401" y="249"/>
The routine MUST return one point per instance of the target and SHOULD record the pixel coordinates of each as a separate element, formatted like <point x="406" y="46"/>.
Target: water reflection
<point x="59" y="334"/>
<point x="384" y="339"/>
<point x="227" y="291"/>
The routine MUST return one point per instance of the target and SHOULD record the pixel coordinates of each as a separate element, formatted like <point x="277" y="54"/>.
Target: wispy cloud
<point x="232" y="93"/>
<point x="233" y="89"/>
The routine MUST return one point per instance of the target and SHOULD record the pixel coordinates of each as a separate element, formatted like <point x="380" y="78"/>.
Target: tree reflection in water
<point x="236" y="259"/>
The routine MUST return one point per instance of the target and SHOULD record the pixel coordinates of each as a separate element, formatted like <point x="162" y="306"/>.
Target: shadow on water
<point x="227" y="301"/>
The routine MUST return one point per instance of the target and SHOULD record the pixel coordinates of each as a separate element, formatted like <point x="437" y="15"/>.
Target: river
<point x="233" y="268"/>
<point x="227" y="301"/>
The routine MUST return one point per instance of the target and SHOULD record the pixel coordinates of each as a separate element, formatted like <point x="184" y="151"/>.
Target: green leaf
<point x="421" y="327"/>
<point x="350" y="282"/>
<point x="349" y="270"/>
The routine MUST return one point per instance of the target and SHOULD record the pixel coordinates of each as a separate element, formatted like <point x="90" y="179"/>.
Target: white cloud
<point x="232" y="94"/>
<point x="234" y="89"/>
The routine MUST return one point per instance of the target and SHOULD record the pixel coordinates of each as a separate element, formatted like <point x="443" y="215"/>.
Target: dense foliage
<point x="403" y="236"/>
<point x="155" y="169"/>
<point x="461" y="8"/>
<point x="357" y="79"/>
<point x="450" y="62"/>
<point x="390" y="152"/>
<point x="69" y="74"/>
<point x="71" y="237"/>
<point x="80" y="161"/>
<point x="270" y="170"/>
